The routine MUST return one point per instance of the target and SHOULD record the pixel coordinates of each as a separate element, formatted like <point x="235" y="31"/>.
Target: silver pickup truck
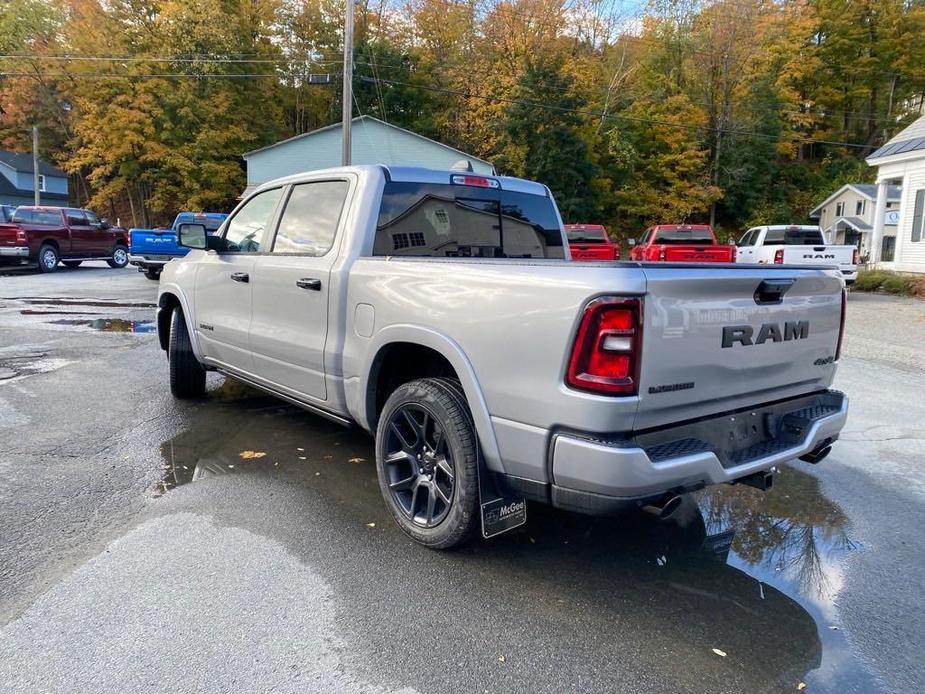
<point x="440" y="311"/>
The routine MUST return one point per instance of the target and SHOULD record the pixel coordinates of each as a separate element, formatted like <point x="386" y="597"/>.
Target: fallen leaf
<point x="801" y="686"/>
<point x="300" y="449"/>
<point x="833" y="628"/>
<point x="248" y="455"/>
<point x="302" y="457"/>
<point x="329" y="457"/>
<point x="501" y="658"/>
<point x="370" y="525"/>
<point x="317" y="474"/>
<point x="721" y="654"/>
<point x="231" y="466"/>
<point x="357" y="460"/>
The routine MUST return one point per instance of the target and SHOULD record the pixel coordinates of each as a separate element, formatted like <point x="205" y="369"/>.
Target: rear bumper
<point x="598" y="476"/>
<point x="14" y="251"/>
<point x="143" y="261"/>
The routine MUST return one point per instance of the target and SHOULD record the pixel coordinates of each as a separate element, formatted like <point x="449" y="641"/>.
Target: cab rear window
<point x="460" y="221"/>
<point x="794" y="237"/>
<point x="683" y="236"/>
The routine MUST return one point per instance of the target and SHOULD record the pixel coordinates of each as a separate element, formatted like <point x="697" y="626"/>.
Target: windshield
<point x="670" y="236"/>
<point x="592" y="235"/>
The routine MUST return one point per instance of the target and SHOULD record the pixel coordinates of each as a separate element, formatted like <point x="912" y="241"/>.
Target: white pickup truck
<point x="440" y="311"/>
<point x="794" y="244"/>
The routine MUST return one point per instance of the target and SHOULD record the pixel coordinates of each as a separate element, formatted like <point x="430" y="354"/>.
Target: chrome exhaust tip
<point x="664" y="507"/>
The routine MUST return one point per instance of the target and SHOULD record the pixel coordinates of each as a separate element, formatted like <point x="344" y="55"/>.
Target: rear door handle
<point x="240" y="277"/>
<point x="309" y="283"/>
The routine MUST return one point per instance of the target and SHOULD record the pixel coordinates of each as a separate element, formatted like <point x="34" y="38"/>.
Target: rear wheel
<point x="48" y="258"/>
<point x="153" y="274"/>
<point x="72" y="263"/>
<point x="187" y="376"/>
<point x="427" y="462"/>
<point x="119" y="257"/>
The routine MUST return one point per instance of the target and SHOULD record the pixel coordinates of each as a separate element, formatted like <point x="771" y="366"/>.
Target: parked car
<point x="6" y="213"/>
<point x="151" y="249"/>
<point x="682" y="243"/>
<point x="795" y="244"/>
<point x="590" y="242"/>
<point x="437" y="310"/>
<point x="49" y="235"/>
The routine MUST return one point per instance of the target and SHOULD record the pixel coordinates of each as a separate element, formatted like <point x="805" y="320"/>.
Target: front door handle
<point x="309" y="283"/>
<point x="240" y="277"/>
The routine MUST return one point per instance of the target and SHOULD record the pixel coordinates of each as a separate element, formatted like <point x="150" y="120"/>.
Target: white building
<point x="372" y="142"/>
<point x="901" y="162"/>
<point x="847" y="217"/>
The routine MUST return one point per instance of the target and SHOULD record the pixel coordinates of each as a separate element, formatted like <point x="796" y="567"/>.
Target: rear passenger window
<point x="447" y="221"/>
<point x="309" y="222"/>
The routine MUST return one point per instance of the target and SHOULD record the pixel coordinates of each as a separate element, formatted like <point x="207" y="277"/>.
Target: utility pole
<point x="347" y="112"/>
<point x="35" y="164"/>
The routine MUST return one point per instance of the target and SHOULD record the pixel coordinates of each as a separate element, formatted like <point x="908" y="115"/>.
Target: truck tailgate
<point x="592" y="251"/>
<point x="842" y="256"/>
<point x="712" y="342"/>
<point x="156" y="242"/>
<point x="8" y="233"/>
<point x="698" y="254"/>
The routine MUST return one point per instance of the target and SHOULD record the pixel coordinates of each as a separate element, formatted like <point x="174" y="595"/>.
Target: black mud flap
<point x="500" y="513"/>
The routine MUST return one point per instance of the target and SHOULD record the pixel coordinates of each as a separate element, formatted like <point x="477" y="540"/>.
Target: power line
<point x="652" y="121"/>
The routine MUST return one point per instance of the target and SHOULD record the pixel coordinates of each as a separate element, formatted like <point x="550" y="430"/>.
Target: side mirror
<point x="104" y="224"/>
<point x="631" y="242"/>
<point x="192" y="236"/>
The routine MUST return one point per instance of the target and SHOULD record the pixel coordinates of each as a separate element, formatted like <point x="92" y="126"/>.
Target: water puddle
<point x="756" y="575"/>
<point x="81" y="301"/>
<point x="110" y="325"/>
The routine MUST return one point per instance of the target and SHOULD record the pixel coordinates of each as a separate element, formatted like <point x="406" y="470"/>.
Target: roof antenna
<point x="462" y="165"/>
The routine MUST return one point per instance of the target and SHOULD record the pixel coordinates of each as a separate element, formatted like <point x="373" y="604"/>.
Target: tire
<point x="187" y="376"/>
<point x="48" y="258"/>
<point x="430" y="485"/>
<point x="119" y="257"/>
<point x="152" y="274"/>
<point x="71" y="264"/>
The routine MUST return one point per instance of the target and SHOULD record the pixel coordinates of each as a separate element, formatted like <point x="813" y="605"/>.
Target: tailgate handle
<point x="240" y="277"/>
<point x="818" y="249"/>
<point x="772" y="291"/>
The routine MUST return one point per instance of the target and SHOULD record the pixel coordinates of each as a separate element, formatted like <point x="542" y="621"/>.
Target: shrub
<point x="871" y="280"/>
<point x="896" y="284"/>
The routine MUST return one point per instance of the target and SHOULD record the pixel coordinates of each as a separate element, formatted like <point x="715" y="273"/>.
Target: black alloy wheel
<point x="419" y="465"/>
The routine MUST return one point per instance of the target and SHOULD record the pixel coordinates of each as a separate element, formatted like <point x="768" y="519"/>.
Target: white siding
<point x="372" y="142"/>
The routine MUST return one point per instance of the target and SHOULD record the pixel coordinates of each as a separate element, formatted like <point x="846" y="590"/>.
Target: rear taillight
<point x="605" y="356"/>
<point x="21" y="237"/>
<point x="616" y="253"/>
<point x="779" y="256"/>
<point x="662" y="254"/>
<point x="855" y="257"/>
<point x="732" y="256"/>
<point x="841" y="327"/>
<point x="477" y="181"/>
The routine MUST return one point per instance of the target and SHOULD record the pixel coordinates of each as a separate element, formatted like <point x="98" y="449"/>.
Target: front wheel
<point x="48" y="258"/>
<point x="119" y="257"/>
<point x="427" y="462"/>
<point x="187" y="377"/>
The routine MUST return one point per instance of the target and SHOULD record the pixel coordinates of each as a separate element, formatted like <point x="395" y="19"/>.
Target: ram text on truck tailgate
<point x="436" y="310"/>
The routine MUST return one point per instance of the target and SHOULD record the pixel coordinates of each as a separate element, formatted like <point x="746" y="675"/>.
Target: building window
<point x="859" y="208"/>
<point x="839" y="209"/>
<point x="41" y="183"/>
<point x="918" y="219"/>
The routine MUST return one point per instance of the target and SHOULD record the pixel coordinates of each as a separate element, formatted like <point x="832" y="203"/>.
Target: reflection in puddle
<point x="756" y="574"/>
<point x="110" y="325"/>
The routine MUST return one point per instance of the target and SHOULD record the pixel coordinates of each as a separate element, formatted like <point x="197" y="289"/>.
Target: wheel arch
<point x="167" y="301"/>
<point x="422" y="352"/>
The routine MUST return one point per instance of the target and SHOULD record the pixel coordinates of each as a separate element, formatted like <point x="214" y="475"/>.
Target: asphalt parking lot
<point x="239" y="544"/>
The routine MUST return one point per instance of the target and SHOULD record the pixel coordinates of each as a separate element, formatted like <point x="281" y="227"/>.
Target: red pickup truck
<point x="49" y="235"/>
<point x="590" y="242"/>
<point x="685" y="243"/>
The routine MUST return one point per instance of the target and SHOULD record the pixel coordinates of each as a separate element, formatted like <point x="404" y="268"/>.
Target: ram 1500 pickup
<point x="796" y="245"/>
<point x="440" y="312"/>
<point x="151" y="249"/>
<point x="47" y="236"/>
<point x="590" y="242"/>
<point x="684" y="243"/>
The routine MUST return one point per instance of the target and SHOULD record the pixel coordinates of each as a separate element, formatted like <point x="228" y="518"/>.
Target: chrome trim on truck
<point x="14" y="252"/>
